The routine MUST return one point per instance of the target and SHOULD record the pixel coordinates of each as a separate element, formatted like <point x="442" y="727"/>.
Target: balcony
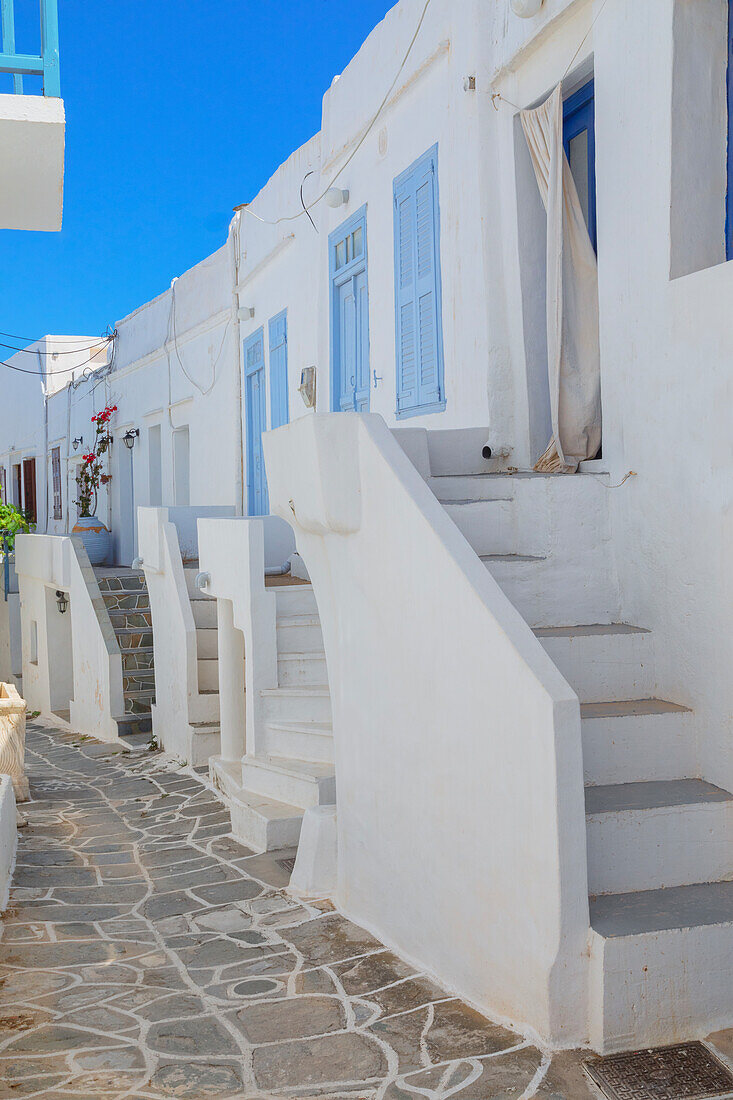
<point x="32" y="125"/>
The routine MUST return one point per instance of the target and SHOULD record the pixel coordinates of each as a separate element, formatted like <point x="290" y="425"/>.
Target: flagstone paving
<point x="146" y="953"/>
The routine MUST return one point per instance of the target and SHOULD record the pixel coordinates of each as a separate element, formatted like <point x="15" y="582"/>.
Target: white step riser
<point x="204" y="708"/>
<point x="207" y="643"/>
<point x="258" y="832"/>
<point x="299" y="639"/>
<point x="660" y="988"/>
<point x="204" y="612"/>
<point x="489" y="526"/>
<point x="295" y="790"/>
<point x="470" y="488"/>
<point x="650" y="849"/>
<point x="547" y="593"/>
<point x="605" y="667"/>
<point x="299" y="672"/>
<point x="204" y="746"/>
<point x="300" y="745"/>
<point x="208" y="675"/>
<point x="190" y="575"/>
<point x="297" y="599"/>
<point x="638" y="748"/>
<point x="297" y="708"/>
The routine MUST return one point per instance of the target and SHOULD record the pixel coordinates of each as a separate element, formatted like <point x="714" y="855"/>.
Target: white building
<point x="479" y="641"/>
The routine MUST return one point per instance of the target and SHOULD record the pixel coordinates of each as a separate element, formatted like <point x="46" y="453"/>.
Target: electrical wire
<point x="302" y="201"/>
<point x="102" y="343"/>
<point x="39" y="373"/>
<point x="172" y="335"/>
<point x="355" y="150"/>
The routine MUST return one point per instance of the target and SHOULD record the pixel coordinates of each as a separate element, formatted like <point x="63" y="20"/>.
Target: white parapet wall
<point x="461" y="830"/>
<point x="72" y="666"/>
<point x="8" y="837"/>
<point x="32" y="138"/>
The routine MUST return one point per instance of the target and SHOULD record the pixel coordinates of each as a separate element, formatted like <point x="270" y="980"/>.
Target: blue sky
<point x="176" y="111"/>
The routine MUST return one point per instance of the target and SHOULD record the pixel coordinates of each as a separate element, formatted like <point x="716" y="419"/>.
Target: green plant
<point x="12" y="522"/>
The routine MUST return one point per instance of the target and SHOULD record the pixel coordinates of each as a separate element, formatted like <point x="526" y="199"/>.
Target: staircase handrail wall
<point x="461" y="825"/>
<point x="60" y="563"/>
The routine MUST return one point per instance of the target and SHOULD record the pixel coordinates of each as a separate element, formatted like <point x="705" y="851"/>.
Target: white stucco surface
<point x="32" y="139"/>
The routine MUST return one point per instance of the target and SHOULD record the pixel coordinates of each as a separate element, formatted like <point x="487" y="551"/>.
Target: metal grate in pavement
<point x="687" y="1071"/>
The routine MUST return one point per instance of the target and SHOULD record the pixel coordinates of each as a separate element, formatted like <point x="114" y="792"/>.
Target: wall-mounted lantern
<point x="75" y="443"/>
<point x="62" y="601"/>
<point x="336" y="197"/>
<point x="525" y="9"/>
<point x="130" y="436"/>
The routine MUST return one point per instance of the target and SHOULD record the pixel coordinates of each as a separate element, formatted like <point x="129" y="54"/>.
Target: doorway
<point x="350" y="383"/>
<point x="29" y="490"/>
<point x="125" y="530"/>
<point x="256" y="423"/>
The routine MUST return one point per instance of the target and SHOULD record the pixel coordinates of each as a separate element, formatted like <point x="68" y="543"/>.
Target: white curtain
<point x="572" y="297"/>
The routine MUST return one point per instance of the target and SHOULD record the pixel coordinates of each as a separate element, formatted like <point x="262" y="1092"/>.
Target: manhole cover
<point x="287" y="864"/>
<point x="685" y="1072"/>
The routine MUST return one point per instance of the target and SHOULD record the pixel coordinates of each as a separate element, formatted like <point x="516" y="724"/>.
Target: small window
<point x="358" y="238"/>
<point x="340" y="254"/>
<point x="56" y="477"/>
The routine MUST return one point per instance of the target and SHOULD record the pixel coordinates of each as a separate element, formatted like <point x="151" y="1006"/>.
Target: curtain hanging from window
<point x="572" y="298"/>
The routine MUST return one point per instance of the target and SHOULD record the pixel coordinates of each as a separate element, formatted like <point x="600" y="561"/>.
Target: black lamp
<point x="130" y="436"/>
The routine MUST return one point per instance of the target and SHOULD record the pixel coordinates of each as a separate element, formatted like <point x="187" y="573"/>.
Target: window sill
<point x="421" y="410"/>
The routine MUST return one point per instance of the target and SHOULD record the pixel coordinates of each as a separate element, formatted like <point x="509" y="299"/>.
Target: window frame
<point x="579" y="114"/>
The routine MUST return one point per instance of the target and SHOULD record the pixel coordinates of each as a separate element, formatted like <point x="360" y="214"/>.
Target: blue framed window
<point x="418" y="295"/>
<point x="349" y="309"/>
<point x="729" y="197"/>
<point x="579" y="139"/>
<point x="279" y="411"/>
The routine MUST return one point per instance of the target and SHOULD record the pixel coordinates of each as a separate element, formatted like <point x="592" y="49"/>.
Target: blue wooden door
<point x="349" y="316"/>
<point x="279" y="410"/>
<point x="418" y="309"/>
<point x="256" y="418"/>
<point x="579" y="139"/>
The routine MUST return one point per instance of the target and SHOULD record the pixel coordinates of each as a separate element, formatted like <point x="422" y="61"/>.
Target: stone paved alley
<point x="147" y="954"/>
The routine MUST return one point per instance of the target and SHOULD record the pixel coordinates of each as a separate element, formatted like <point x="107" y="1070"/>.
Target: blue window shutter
<point x="279" y="411"/>
<point x="418" y="293"/>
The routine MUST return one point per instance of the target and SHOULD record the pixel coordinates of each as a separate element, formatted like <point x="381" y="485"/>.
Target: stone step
<point x="488" y="525"/>
<point x="140" y="658"/>
<point x="301" y="740"/>
<point x="632" y="740"/>
<point x="207" y="642"/>
<point x="134" y="638"/>
<point x="299" y="634"/>
<point x="263" y="824"/>
<point x="300" y="783"/>
<point x="301" y="669"/>
<point x="296" y="599"/>
<point x="204" y="613"/>
<point x="131" y="620"/>
<point x="658" y="962"/>
<point x="139" y="702"/>
<point x="135" y="731"/>
<point x="123" y="600"/>
<point x="208" y="670"/>
<point x="301" y="704"/>
<point x="128" y="581"/>
<point x="611" y="662"/>
<point x="141" y="680"/>
<point x="655" y="834"/>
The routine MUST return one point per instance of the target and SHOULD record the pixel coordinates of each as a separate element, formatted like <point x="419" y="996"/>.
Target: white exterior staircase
<point x="269" y="790"/>
<point x="659" y="837"/>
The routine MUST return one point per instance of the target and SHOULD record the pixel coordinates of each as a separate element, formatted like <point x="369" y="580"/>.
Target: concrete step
<point x="208" y="669"/>
<point x="140" y="658"/>
<point x="658" y="965"/>
<point x="131" y="620"/>
<point x="556" y="589"/>
<point x="612" y="661"/>
<point x="296" y="599"/>
<point x="297" y="704"/>
<point x="204" y="612"/>
<point x="478" y="486"/>
<point x="488" y="525"/>
<point x="663" y="833"/>
<point x="299" y="634"/>
<point x="207" y="642"/>
<point x="302" y="669"/>
<point x="301" y="740"/>
<point x="263" y="824"/>
<point x="301" y="783"/>
<point x="631" y="740"/>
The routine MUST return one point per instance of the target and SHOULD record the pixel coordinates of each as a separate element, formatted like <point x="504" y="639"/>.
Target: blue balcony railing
<point x="45" y="64"/>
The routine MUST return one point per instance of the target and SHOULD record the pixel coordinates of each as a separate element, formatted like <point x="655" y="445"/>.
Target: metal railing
<point x="45" y="64"/>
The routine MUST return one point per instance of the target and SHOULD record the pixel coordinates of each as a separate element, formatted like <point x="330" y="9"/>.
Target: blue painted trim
<point x="257" y="337"/>
<point x="46" y="64"/>
<point x="335" y="278"/>
<point x="279" y="395"/>
<point x="579" y="114"/>
<point x="250" y="341"/>
<point x="729" y="193"/>
<point x="439" y="406"/>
